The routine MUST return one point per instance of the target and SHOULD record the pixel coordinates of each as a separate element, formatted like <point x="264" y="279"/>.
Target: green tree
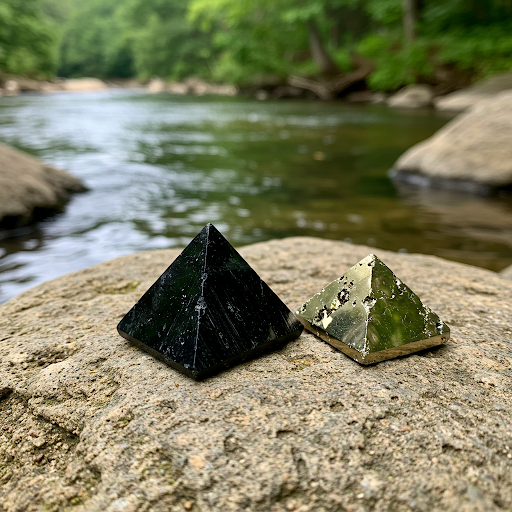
<point x="269" y="40"/>
<point x="28" y="46"/>
<point x="124" y="38"/>
<point x="289" y="36"/>
<point x="96" y="42"/>
<point x="59" y="11"/>
<point x="163" y="41"/>
<point x="454" y="38"/>
<point x="255" y="39"/>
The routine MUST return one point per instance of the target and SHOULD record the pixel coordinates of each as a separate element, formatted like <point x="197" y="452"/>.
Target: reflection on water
<point x="160" y="167"/>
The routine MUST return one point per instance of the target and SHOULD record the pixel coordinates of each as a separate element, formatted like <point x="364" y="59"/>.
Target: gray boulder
<point x="465" y="98"/>
<point x="28" y="186"/>
<point x="474" y="150"/>
<point x="412" y="96"/>
<point x="90" y="423"/>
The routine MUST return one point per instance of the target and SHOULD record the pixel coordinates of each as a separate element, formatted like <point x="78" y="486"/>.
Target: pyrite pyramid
<point x="370" y="315"/>
<point x="208" y="311"/>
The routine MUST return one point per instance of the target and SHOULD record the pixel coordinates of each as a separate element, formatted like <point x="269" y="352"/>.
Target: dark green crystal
<point x="209" y="311"/>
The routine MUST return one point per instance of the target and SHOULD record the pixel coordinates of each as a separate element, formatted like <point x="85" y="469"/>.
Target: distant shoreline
<point x="410" y="97"/>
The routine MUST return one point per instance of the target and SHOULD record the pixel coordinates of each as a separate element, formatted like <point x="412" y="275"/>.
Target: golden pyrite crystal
<point x="371" y="316"/>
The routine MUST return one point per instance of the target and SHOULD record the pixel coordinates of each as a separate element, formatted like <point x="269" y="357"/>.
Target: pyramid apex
<point x="210" y="228"/>
<point x="209" y="231"/>
<point x="372" y="258"/>
<point x="369" y="260"/>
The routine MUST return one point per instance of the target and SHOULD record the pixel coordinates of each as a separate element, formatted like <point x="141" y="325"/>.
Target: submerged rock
<point x="473" y="151"/>
<point x="89" y="421"/>
<point x="28" y="187"/>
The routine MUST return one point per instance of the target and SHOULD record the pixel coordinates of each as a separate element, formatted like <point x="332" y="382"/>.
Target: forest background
<point x="442" y="42"/>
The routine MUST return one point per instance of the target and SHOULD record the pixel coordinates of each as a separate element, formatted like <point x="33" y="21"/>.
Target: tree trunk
<point x="318" y="52"/>
<point x="410" y="15"/>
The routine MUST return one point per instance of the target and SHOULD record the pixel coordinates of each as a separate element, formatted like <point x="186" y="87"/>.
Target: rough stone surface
<point x="28" y="185"/>
<point x="474" y="147"/>
<point x="90" y="423"/>
<point x="461" y="100"/>
<point x="412" y="96"/>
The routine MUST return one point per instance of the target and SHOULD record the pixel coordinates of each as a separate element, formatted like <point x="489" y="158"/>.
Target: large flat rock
<point x="28" y="186"/>
<point x="473" y="151"/>
<point x="90" y="423"/>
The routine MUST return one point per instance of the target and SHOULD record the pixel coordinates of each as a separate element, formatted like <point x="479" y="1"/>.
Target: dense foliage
<point x="96" y="42"/>
<point x="27" y="42"/>
<point x="259" y="40"/>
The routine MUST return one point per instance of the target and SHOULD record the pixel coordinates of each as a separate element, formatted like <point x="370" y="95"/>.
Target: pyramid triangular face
<point x="208" y="311"/>
<point x="370" y="315"/>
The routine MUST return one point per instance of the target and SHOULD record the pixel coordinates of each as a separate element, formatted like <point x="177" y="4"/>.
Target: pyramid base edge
<point x="381" y="355"/>
<point x="224" y="365"/>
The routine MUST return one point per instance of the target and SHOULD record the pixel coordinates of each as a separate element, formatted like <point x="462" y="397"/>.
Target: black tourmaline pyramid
<point x="209" y="311"/>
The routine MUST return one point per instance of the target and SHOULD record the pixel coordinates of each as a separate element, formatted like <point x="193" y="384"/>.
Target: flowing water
<point x="160" y="167"/>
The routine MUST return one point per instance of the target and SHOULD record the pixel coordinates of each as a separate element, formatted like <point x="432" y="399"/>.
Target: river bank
<point x="353" y="89"/>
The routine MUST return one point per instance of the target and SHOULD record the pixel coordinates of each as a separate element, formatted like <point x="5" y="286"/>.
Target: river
<point x="159" y="167"/>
